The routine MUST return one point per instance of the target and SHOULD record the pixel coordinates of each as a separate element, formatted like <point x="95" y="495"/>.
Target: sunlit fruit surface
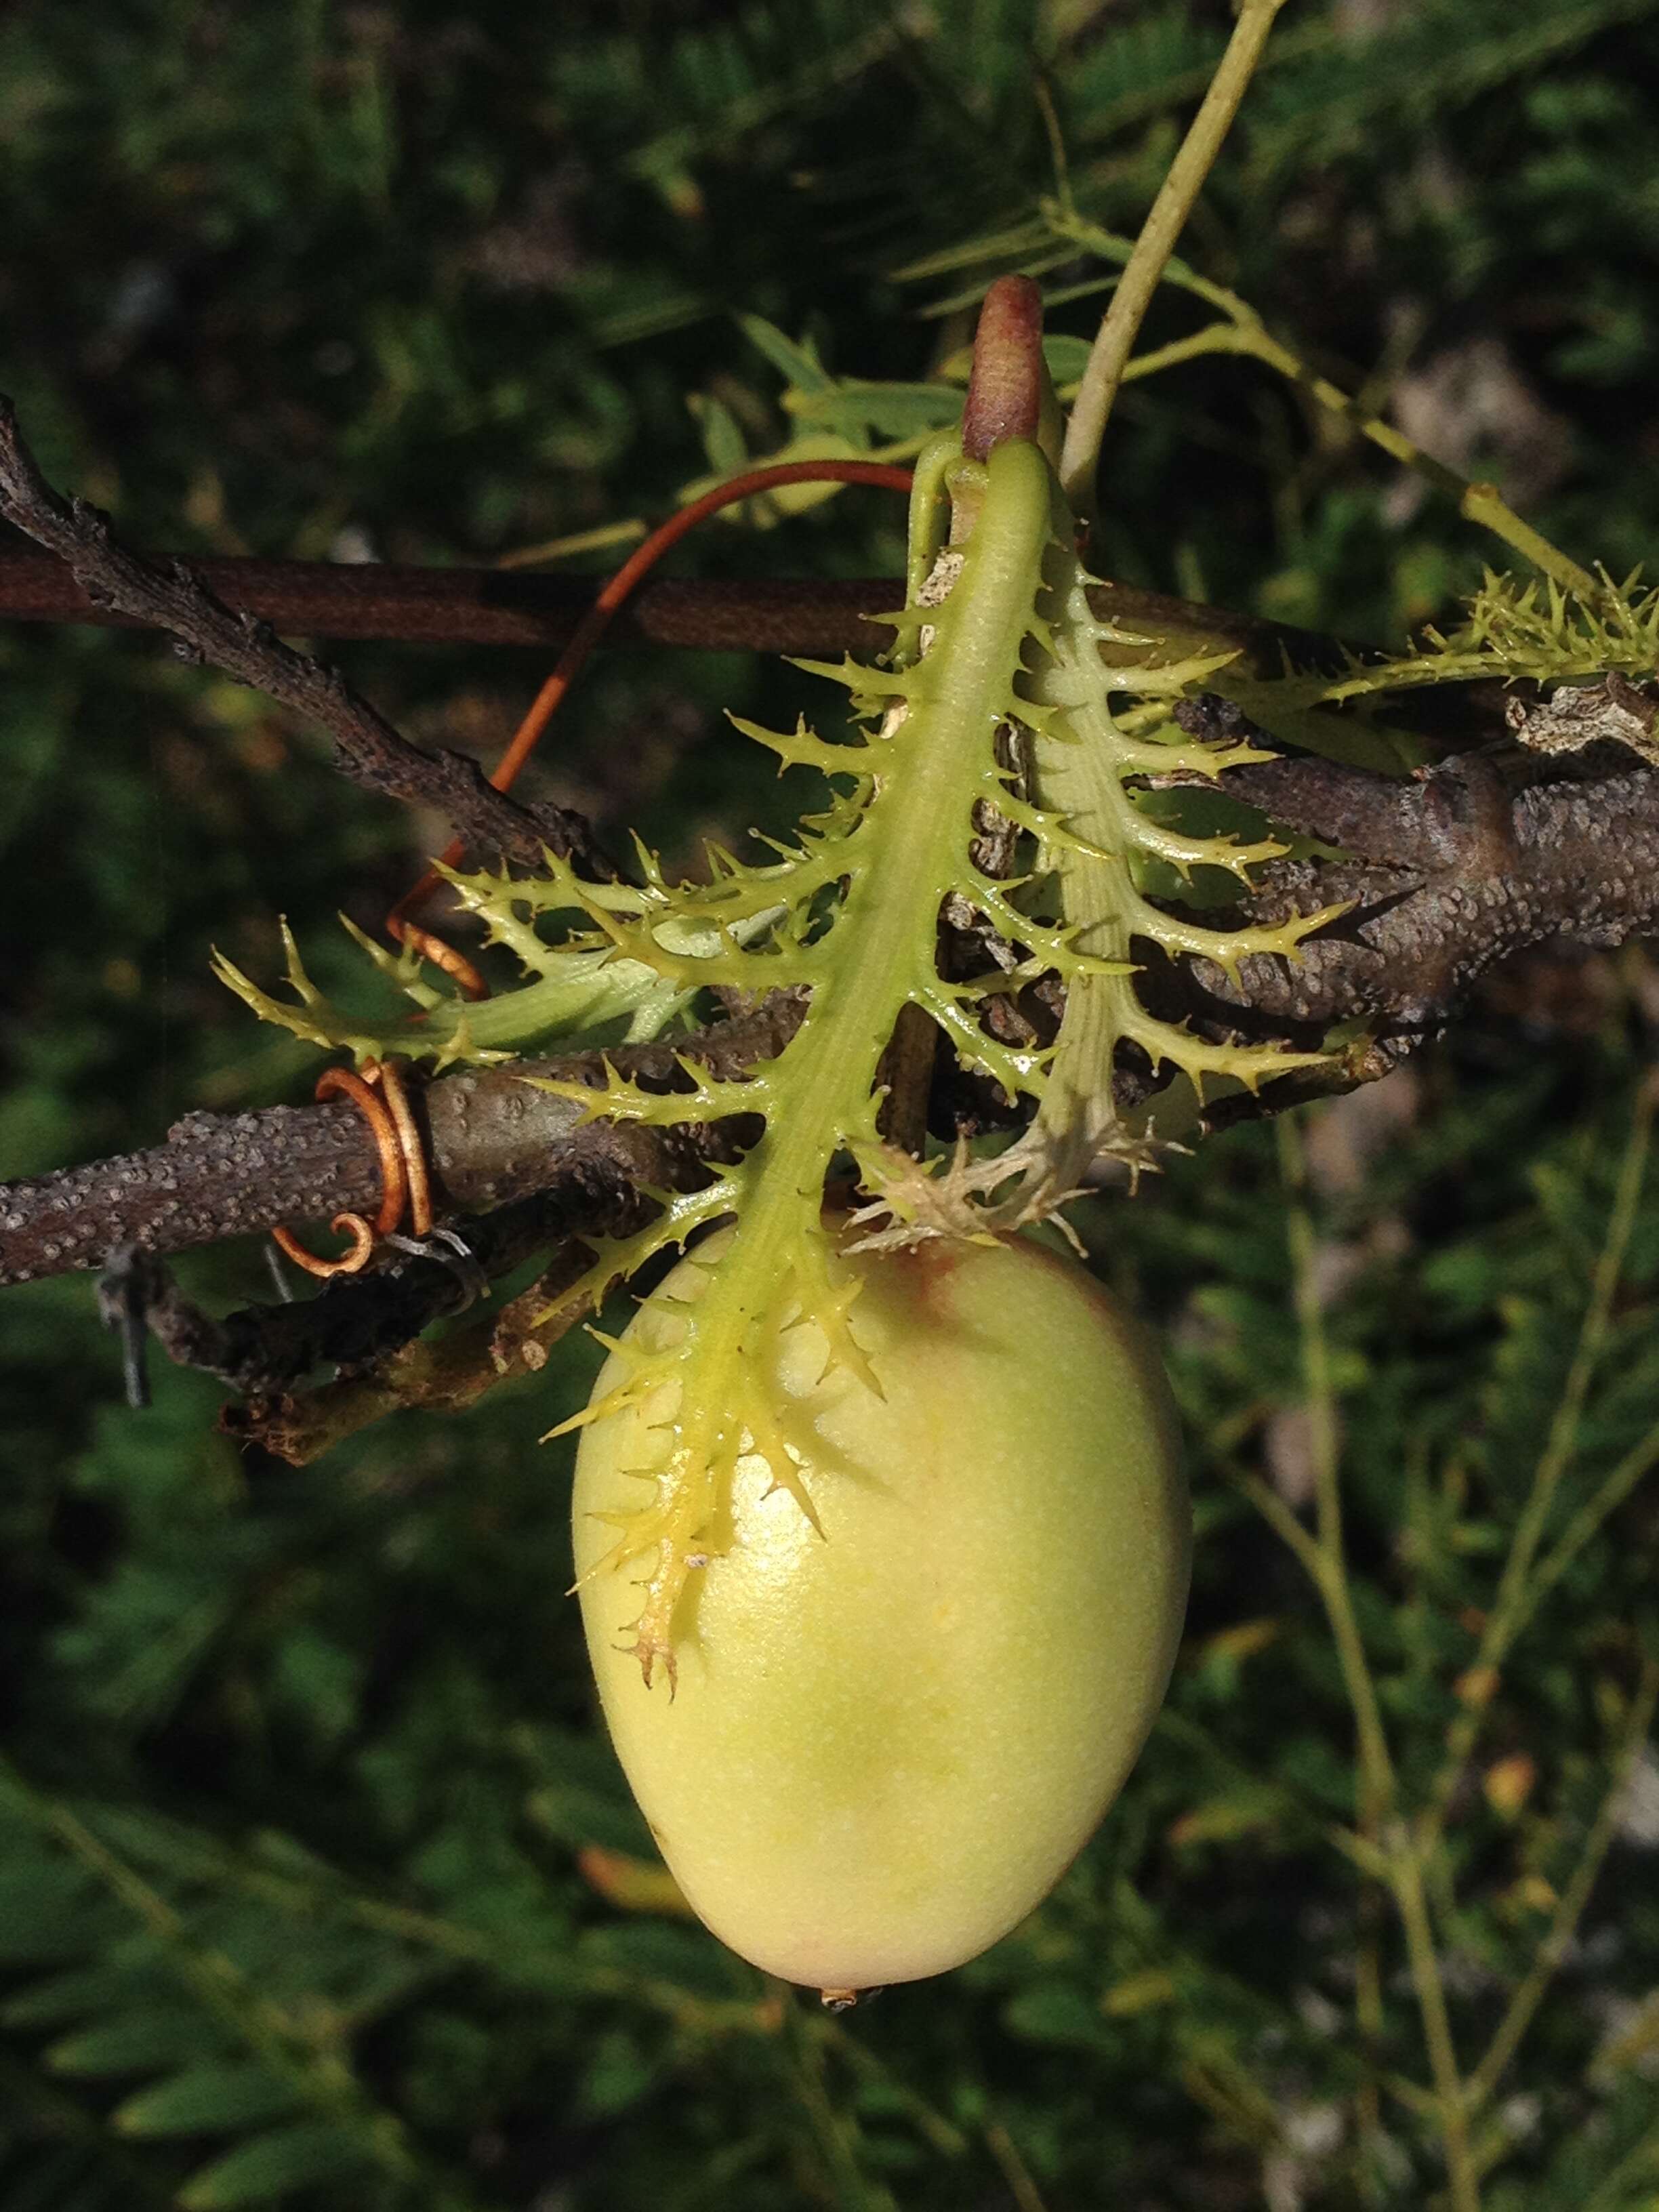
<point x="887" y="1742"/>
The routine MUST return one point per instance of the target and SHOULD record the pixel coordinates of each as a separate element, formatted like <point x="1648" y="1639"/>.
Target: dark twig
<point x="821" y="616"/>
<point x="217" y="1175"/>
<point x="1451" y="870"/>
<point x="354" y="1322"/>
<point x="491" y="1137"/>
<point x="1448" y="872"/>
<point x="484" y="606"/>
<point x="439" y="1374"/>
<point x="367" y="747"/>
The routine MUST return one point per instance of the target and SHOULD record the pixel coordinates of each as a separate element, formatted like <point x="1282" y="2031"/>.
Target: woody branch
<point x="1445" y="873"/>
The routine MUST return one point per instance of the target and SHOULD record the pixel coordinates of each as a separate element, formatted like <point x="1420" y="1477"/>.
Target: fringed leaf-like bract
<point x="997" y="638"/>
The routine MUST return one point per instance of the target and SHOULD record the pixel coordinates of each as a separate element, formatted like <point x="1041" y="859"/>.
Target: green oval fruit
<point x="887" y="1742"/>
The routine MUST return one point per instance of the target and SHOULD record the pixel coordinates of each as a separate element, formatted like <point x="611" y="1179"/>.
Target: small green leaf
<point x="577" y="1814"/>
<point x="798" y="365"/>
<point x="207" y="2100"/>
<point x="1065" y="356"/>
<point x="138" y="2042"/>
<point x="891" y="411"/>
<point x="60" y="1998"/>
<point x="1245" y="1811"/>
<point x="722" y="439"/>
<point x="617" y="2075"/>
<point x="274" y="2166"/>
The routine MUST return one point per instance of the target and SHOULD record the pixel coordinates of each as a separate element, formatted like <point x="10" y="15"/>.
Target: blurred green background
<point x="302" y="1784"/>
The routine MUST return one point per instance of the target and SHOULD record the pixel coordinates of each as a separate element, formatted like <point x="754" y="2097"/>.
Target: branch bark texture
<point x="367" y="747"/>
<point x="491" y="1139"/>
<point x="1447" y="873"/>
<point x="1451" y="871"/>
<point x="1485" y="854"/>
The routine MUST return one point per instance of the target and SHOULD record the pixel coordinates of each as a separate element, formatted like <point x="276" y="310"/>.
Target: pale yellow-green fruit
<point x="888" y="1742"/>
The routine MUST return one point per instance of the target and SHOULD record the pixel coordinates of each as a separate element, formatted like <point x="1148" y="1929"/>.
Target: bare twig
<point x="1449" y="872"/>
<point x="483" y="606"/>
<point x="367" y="747"/>
<point x="491" y="1137"/>
<point x="442" y="1375"/>
<point x="821" y="615"/>
<point x="354" y="1321"/>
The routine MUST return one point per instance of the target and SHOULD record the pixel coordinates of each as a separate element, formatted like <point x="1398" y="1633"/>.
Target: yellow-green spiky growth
<point x="997" y="636"/>
<point x="1012" y="641"/>
<point x="902" y="844"/>
<point x="1539" y="632"/>
<point x="1006" y="705"/>
<point x="1092" y="840"/>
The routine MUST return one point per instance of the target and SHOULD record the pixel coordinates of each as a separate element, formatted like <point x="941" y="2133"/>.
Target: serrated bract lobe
<point x="888" y="1741"/>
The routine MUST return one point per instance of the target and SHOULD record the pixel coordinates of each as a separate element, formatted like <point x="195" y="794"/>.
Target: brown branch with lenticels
<point x="1490" y="850"/>
<point x="367" y="747"/>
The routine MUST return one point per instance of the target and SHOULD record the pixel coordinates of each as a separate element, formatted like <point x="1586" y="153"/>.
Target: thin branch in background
<point x="1639" y="2164"/>
<point x="1569" y="1908"/>
<point x="409" y="605"/>
<point x="367" y="747"/>
<point x="817" y="617"/>
<point x="1636" y="1464"/>
<point x="1379" y="1788"/>
<point x="1514" y="1598"/>
<point x="1080" y="456"/>
<point x="1401" y="1853"/>
<point x="1242" y="333"/>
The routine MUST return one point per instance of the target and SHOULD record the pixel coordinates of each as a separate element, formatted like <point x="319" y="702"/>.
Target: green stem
<point x="1637" y="1463"/>
<point x="1407" y="1883"/>
<point x="1613" y="2193"/>
<point x="1243" y="334"/>
<point x="1524" y="2004"/>
<point x="1376" y="1765"/>
<point x="853" y="2190"/>
<point x="1480" y="503"/>
<point x="1378" y="1789"/>
<point x="941" y="2135"/>
<point x="1014" y="2170"/>
<point x="1164" y="225"/>
<point x="1517" y="1588"/>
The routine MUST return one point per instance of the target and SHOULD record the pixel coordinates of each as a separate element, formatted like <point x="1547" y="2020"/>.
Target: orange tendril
<point x="613" y="596"/>
<point x="404" y="1178"/>
<point x="413" y="1151"/>
<point x="437" y="950"/>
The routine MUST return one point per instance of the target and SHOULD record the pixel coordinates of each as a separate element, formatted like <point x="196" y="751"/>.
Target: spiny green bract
<point x="850" y="915"/>
<point x="1535" y="632"/>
